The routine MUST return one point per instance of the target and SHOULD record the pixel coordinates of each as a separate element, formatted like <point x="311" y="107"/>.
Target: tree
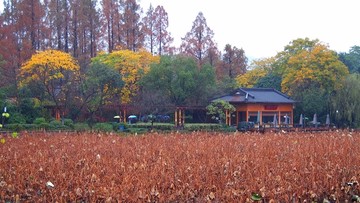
<point x="251" y="77"/>
<point x="346" y="102"/>
<point x="199" y="40"/>
<point x="163" y="37"/>
<point x="111" y="19"/>
<point x="19" y="30"/>
<point x="272" y="79"/>
<point x="176" y="81"/>
<point x="131" y="65"/>
<point x="101" y="85"/>
<point x="218" y="108"/>
<point x="234" y="61"/>
<point x="352" y="59"/>
<point x="312" y="100"/>
<point x="317" y="65"/>
<point x="131" y="26"/>
<point x="149" y="29"/>
<point x="54" y="72"/>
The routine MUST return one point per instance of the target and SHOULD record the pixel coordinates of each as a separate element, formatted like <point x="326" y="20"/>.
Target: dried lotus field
<point x="193" y="167"/>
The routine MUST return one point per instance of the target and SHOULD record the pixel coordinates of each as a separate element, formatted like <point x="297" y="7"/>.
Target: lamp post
<point x="337" y="118"/>
<point x="3" y="116"/>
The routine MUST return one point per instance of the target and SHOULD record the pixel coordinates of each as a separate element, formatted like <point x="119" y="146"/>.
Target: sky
<point x="264" y="27"/>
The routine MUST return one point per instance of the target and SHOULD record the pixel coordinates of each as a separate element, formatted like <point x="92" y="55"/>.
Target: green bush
<point x="45" y="126"/>
<point x="202" y="127"/>
<point x="39" y="120"/>
<point x="106" y="127"/>
<point x="68" y="122"/>
<point x="81" y="127"/>
<point x="156" y="126"/>
<point x="20" y="127"/>
<point x="57" y="125"/>
<point x="228" y="129"/>
<point x="15" y="127"/>
<point x="17" y="118"/>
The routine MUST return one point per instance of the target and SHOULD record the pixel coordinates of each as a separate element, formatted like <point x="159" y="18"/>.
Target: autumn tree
<point x="20" y="34"/>
<point x="317" y="65"/>
<point x="53" y="72"/>
<point x="251" y="77"/>
<point x="157" y="38"/>
<point x="58" y="20"/>
<point x="149" y="29"/>
<point x="111" y="19"/>
<point x="163" y="37"/>
<point x="234" y="61"/>
<point x="199" y="40"/>
<point x="131" y="66"/>
<point x="131" y="26"/>
<point x="272" y="78"/>
<point x="85" y="32"/>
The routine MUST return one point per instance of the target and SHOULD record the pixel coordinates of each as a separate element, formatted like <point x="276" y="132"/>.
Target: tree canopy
<point x="313" y="65"/>
<point x="199" y="40"/>
<point x="177" y="81"/>
<point x="352" y="59"/>
<point x="53" y="71"/>
<point x="131" y="66"/>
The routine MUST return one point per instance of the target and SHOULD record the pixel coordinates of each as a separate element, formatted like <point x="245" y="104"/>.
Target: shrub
<point x="20" y="127"/>
<point x="39" y="120"/>
<point x="17" y="118"/>
<point x="68" y="122"/>
<point x="107" y="127"/>
<point x="57" y="125"/>
<point x="156" y="126"/>
<point x="202" y="127"/>
<point x="81" y="127"/>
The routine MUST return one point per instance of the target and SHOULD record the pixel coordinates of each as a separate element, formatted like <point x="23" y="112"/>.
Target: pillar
<point x="176" y="117"/>
<point x="183" y="117"/>
<point x="57" y="114"/>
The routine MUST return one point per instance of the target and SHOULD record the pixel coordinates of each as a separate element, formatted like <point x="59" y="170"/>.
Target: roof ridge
<point x="247" y="93"/>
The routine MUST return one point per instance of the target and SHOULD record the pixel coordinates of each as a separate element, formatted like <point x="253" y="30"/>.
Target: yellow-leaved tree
<point x="258" y="69"/>
<point x="50" y="75"/>
<point x="131" y="65"/>
<point x="316" y="66"/>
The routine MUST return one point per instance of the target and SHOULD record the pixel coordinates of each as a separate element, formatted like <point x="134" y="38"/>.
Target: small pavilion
<point x="259" y="105"/>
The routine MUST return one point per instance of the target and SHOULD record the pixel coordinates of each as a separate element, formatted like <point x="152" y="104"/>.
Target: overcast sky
<point x="263" y="27"/>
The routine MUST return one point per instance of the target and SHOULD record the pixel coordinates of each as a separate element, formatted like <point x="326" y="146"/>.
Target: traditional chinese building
<point x="259" y="105"/>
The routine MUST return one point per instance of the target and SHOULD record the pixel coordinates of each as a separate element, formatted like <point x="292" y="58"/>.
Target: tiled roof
<point x="257" y="95"/>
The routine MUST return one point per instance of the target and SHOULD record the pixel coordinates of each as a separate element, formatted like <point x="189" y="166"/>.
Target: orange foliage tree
<point x="131" y="65"/>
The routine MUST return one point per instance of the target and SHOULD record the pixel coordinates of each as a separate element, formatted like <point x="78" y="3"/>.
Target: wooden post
<point x="183" y="117"/>
<point x="227" y="117"/>
<point x="176" y="117"/>
<point x="57" y="114"/>
<point x="237" y="117"/>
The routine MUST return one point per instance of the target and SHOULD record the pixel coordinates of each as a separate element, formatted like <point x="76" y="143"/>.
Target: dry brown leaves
<point x="174" y="167"/>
